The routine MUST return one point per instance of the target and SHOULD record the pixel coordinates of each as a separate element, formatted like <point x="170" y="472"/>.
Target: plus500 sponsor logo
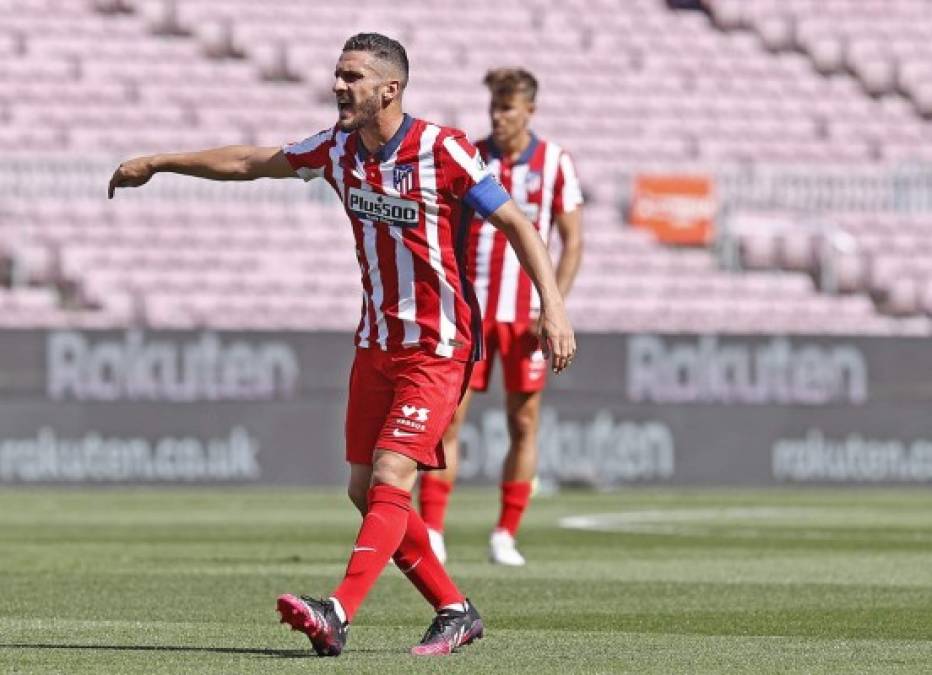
<point x="373" y="206"/>
<point x="598" y="451"/>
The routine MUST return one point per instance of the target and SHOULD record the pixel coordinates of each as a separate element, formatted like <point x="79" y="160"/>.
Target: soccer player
<point x="409" y="188"/>
<point x="542" y="181"/>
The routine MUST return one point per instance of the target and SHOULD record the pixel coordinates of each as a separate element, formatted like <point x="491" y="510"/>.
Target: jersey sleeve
<point x="567" y="194"/>
<point x="468" y="178"/>
<point x="309" y="157"/>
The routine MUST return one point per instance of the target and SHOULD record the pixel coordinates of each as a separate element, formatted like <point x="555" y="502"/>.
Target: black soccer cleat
<point x="450" y="629"/>
<point x="317" y="619"/>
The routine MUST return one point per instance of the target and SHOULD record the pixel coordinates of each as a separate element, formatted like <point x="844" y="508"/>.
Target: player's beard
<point x="365" y="110"/>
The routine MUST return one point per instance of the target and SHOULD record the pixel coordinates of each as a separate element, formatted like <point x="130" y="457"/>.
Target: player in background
<point x="408" y="188"/>
<point x="541" y="179"/>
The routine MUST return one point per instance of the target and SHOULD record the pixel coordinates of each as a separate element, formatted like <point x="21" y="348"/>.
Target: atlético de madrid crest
<point x="403" y="177"/>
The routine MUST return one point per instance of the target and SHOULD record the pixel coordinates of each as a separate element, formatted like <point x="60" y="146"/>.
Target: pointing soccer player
<point x="542" y="181"/>
<point x="409" y="188"/>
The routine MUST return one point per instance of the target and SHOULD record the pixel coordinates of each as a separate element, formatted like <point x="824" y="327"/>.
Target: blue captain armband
<point x="486" y="196"/>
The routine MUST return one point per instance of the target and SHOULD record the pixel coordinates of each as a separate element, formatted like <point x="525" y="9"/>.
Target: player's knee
<point x="522" y="423"/>
<point x="390" y="468"/>
<point x="388" y="476"/>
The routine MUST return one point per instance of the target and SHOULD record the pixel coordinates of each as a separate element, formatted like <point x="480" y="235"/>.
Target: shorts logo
<point x="381" y="208"/>
<point x="414" y="420"/>
<point x="537" y="366"/>
<point x="411" y="411"/>
<point x="403" y="177"/>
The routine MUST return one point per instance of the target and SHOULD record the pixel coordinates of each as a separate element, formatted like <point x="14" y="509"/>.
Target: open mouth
<point x="344" y="106"/>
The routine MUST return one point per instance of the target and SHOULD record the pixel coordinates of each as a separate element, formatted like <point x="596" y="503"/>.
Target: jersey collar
<point x="523" y="158"/>
<point x="387" y="150"/>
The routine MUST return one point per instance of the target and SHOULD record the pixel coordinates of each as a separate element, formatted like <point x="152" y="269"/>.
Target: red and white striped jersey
<point x="410" y="205"/>
<point x="543" y="183"/>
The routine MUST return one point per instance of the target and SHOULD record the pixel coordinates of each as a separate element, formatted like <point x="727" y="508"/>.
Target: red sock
<point x="515" y="496"/>
<point x="433" y="497"/>
<point x="417" y="560"/>
<point x="379" y="535"/>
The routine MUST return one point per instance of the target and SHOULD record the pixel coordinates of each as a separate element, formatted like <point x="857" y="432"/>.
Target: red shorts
<point x="402" y="401"/>
<point x="523" y="363"/>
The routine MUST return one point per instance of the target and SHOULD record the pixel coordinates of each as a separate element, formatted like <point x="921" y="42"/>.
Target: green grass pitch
<point x="185" y="580"/>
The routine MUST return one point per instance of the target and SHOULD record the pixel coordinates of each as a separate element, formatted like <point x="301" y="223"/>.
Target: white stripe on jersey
<point x="470" y="165"/>
<point x="484" y="264"/>
<point x="511" y="268"/>
<point x="552" y="155"/>
<point x="427" y="173"/>
<point x="572" y="193"/>
<point x="305" y="146"/>
<point x="404" y="263"/>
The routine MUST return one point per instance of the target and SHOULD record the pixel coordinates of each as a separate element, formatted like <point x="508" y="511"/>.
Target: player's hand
<point x="557" y="339"/>
<point x="131" y="173"/>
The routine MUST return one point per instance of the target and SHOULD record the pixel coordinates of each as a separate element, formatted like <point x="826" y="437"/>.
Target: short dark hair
<point x="511" y="81"/>
<point x="383" y="47"/>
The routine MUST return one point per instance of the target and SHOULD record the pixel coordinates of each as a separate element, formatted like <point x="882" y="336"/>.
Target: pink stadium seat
<point x="799" y="250"/>
<point x="902" y="296"/>
<point x="885" y="269"/>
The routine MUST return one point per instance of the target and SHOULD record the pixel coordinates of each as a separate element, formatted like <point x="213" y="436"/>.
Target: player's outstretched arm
<point x="233" y="162"/>
<point x="556" y="333"/>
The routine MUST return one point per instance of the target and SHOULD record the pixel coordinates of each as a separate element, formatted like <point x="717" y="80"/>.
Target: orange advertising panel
<point x="678" y="209"/>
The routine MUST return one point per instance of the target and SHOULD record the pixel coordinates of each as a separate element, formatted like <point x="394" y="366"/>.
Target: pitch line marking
<point x="813" y="523"/>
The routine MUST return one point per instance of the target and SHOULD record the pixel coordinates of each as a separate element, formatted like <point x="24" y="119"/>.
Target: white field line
<point x="737" y="522"/>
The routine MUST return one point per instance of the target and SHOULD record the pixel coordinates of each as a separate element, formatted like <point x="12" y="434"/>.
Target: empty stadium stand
<point x="740" y="92"/>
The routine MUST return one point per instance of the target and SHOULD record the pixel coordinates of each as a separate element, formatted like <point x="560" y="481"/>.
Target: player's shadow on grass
<point x="271" y="653"/>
